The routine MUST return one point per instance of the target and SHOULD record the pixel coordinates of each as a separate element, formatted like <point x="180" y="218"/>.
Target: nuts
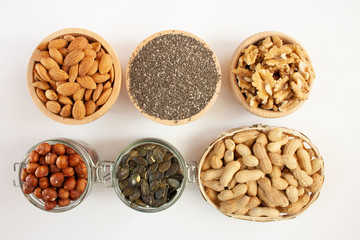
<point x="276" y="173"/>
<point x="273" y="75"/>
<point x="65" y="69"/>
<point x="49" y="177"/>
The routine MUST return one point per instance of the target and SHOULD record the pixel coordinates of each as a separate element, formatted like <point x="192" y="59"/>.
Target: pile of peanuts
<point x="56" y="174"/>
<point x="261" y="174"/>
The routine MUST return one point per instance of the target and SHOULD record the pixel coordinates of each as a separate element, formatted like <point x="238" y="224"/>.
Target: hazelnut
<point x="63" y="202"/>
<point x="31" y="180"/>
<point x="23" y="174"/>
<point x="74" y="194"/>
<point x="62" y="161"/>
<point x="27" y="189"/>
<point x="42" y="160"/>
<point x="74" y="160"/>
<point x="44" y="182"/>
<point x="63" y="194"/>
<point x="69" y="184"/>
<point x="81" y="168"/>
<point x="33" y="156"/>
<point x="49" y="205"/>
<point x="49" y="194"/>
<point x="42" y="171"/>
<point x="81" y="184"/>
<point x="53" y="168"/>
<point x="50" y="158"/>
<point x="37" y="193"/>
<point x="31" y="167"/>
<point x="69" y="150"/>
<point x="58" y="149"/>
<point x="43" y="148"/>
<point x="57" y="179"/>
<point x="83" y="175"/>
<point x="68" y="172"/>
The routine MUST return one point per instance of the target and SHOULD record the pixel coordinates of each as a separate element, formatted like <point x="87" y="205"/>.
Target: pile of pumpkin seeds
<point x="149" y="176"/>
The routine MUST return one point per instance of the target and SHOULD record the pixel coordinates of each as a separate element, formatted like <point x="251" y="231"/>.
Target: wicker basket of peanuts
<point x="261" y="173"/>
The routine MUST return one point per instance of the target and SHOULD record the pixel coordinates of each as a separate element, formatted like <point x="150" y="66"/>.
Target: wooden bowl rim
<point x="180" y="121"/>
<point x="233" y="80"/>
<point x="265" y="128"/>
<point x="116" y="84"/>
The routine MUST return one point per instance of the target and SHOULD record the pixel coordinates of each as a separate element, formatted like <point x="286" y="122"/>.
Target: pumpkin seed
<point x="173" y="183"/>
<point x="164" y="166"/>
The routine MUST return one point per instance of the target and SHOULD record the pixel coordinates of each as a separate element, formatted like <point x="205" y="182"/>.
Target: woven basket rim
<point x="260" y="127"/>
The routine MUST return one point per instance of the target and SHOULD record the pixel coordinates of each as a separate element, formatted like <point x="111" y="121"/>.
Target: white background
<point x="330" y="32"/>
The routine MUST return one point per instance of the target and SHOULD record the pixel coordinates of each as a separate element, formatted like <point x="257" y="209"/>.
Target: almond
<point x="41" y="95"/>
<point x="63" y="51"/>
<point x="88" y="93"/>
<point x="112" y="73"/>
<point x="79" y="94"/>
<point x="90" y="52"/>
<point x="58" y="43"/>
<point x="104" y="97"/>
<point x="58" y="83"/>
<point x="73" y="57"/>
<point x="43" y="46"/>
<point x="56" y="55"/>
<point x="100" y="54"/>
<point x="53" y="84"/>
<point x="73" y="72"/>
<point x="86" y="82"/>
<point x="39" y="55"/>
<point x="49" y="63"/>
<point x="107" y="85"/>
<point x="53" y="106"/>
<point x="79" y="43"/>
<point x="100" y="78"/>
<point x="90" y="107"/>
<point x="97" y="92"/>
<point x="96" y="46"/>
<point x="41" y="85"/>
<point x="65" y="68"/>
<point x="68" y="88"/>
<point x="105" y="64"/>
<point x="51" y="95"/>
<point x="85" y="65"/>
<point x="66" y="111"/>
<point x="78" y="110"/>
<point x="94" y="68"/>
<point x="65" y="100"/>
<point x="69" y="38"/>
<point x="42" y="73"/>
<point x="58" y="74"/>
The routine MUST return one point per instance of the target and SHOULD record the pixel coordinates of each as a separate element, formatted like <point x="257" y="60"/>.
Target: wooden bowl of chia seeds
<point x="173" y="77"/>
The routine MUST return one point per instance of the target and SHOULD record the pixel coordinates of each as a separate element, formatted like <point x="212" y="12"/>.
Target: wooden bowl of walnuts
<point x="261" y="173"/>
<point x="271" y="74"/>
<point x="74" y="76"/>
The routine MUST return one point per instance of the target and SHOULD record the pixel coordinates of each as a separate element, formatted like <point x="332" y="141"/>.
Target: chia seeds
<point x="173" y="77"/>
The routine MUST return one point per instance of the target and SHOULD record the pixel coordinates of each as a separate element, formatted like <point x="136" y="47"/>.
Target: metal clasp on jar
<point x="104" y="173"/>
<point x="191" y="168"/>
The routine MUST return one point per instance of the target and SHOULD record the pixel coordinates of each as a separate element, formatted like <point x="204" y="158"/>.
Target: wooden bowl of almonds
<point x="74" y="76"/>
<point x="261" y="173"/>
<point x="271" y="74"/>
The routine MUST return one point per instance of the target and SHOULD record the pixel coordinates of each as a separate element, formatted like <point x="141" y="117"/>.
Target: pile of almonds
<point x="261" y="174"/>
<point x="72" y="76"/>
<point x="56" y="174"/>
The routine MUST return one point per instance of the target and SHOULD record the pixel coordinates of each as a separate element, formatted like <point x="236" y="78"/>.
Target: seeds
<point x="146" y="182"/>
<point x="68" y="70"/>
<point x="173" y="77"/>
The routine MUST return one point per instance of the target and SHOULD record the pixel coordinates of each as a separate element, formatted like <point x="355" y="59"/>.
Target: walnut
<point x="273" y="75"/>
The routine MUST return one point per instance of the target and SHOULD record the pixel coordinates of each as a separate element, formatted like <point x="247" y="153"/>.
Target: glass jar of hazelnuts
<point x="57" y="174"/>
<point x="149" y="175"/>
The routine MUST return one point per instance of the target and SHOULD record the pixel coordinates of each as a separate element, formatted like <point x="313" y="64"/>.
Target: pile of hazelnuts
<point x="55" y="174"/>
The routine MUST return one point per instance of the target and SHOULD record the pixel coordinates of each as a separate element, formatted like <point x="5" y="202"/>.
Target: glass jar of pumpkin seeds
<point x="149" y="175"/>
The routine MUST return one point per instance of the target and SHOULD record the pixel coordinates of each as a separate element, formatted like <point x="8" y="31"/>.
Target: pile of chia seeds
<point x="173" y="77"/>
